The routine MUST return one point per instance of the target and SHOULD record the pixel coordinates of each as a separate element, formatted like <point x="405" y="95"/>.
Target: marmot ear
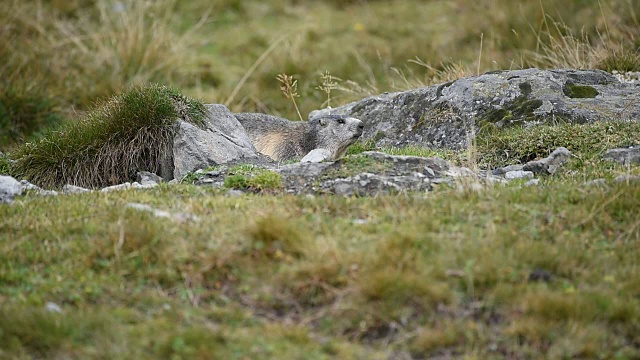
<point x="322" y="121"/>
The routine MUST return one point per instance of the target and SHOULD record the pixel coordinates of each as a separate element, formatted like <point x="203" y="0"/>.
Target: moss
<point x="525" y="88"/>
<point x="518" y="111"/>
<point x="579" y="91"/>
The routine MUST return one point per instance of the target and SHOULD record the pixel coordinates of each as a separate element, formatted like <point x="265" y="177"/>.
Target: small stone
<point x="532" y="182"/>
<point x="359" y="221"/>
<point x="550" y="164"/>
<point x="234" y="193"/>
<point x="596" y="182"/>
<point x="506" y="169"/>
<point x="53" y="307"/>
<point x="147" y="185"/>
<point x="316" y="156"/>
<point x="72" y="189"/>
<point x="9" y="188"/>
<point x="145" y="178"/>
<point x="518" y="174"/>
<point x="27" y="186"/>
<point x="118" y="187"/>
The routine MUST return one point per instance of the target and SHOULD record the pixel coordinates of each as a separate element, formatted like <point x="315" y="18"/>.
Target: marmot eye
<point x="340" y="121"/>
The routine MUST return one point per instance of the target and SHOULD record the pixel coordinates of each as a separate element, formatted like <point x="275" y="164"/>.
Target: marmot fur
<point x="281" y="139"/>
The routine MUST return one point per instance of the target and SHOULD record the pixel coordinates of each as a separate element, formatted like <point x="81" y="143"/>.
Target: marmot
<point x="281" y="139"/>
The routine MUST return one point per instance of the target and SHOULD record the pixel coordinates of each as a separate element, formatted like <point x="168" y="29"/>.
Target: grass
<point x="130" y="132"/>
<point x="446" y="274"/>
<point x="82" y="51"/>
<point x="279" y="277"/>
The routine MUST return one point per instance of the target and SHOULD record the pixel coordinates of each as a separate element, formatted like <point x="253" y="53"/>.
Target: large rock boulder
<point x="441" y="115"/>
<point x="223" y="140"/>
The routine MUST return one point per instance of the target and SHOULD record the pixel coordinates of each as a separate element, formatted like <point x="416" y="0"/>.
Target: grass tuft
<point x="130" y="132"/>
<point x="249" y="177"/>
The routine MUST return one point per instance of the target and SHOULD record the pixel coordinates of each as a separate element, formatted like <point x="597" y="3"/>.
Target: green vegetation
<point x="292" y="277"/>
<point x="76" y="52"/>
<point x="579" y="91"/>
<point x="506" y="272"/>
<point x="23" y="113"/>
<point x="499" y="147"/>
<point x="250" y="177"/>
<point x="128" y="133"/>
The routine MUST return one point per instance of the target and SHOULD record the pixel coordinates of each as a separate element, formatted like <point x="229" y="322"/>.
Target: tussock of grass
<point x="130" y="132"/>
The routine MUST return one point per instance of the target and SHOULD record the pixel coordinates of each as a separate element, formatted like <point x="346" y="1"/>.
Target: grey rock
<point x="27" y="186"/>
<point x="118" y="187"/>
<point x="550" y="164"/>
<point x="148" y="185"/>
<point x="72" y="189"/>
<point x="631" y="179"/>
<point x="367" y="184"/>
<point x="503" y="170"/>
<point x="316" y="156"/>
<point x="596" y="182"/>
<point x="624" y="156"/>
<point x="234" y="193"/>
<point x="518" y="174"/>
<point x="442" y="115"/>
<point x="9" y="189"/>
<point x="145" y="178"/>
<point x="532" y="182"/>
<point x="222" y="140"/>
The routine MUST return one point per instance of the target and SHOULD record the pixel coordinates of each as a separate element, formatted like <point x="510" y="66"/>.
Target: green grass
<point x="499" y="147"/>
<point x="291" y="277"/>
<point x="25" y="112"/>
<point x="252" y="178"/>
<point x="78" y="52"/>
<point x="130" y="132"/>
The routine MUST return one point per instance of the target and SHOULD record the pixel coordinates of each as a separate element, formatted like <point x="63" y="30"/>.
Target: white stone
<point x="317" y="155"/>
<point x="518" y="174"/>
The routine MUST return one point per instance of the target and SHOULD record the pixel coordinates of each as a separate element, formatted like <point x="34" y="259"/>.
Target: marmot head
<point x="335" y="133"/>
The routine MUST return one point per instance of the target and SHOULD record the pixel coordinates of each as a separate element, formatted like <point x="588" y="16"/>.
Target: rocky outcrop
<point x="625" y="156"/>
<point x="441" y="115"/>
<point x="223" y="140"/>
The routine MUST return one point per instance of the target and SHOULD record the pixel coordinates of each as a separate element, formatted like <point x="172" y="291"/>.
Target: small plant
<point x="329" y="82"/>
<point x="289" y="88"/>
<point x="250" y="177"/>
